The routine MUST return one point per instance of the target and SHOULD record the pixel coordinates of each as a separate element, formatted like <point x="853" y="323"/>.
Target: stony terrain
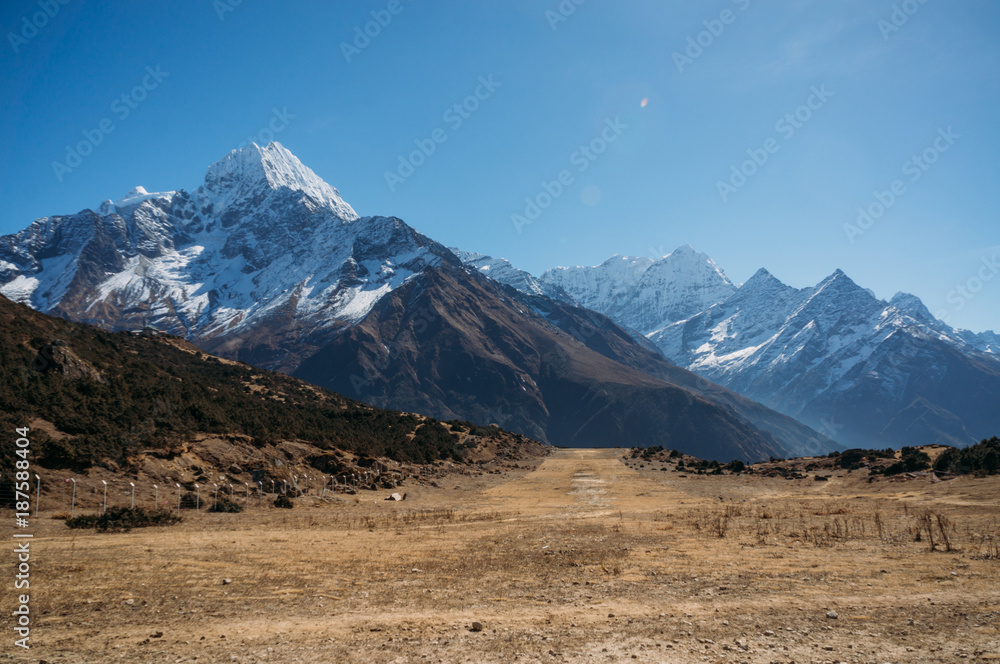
<point x="579" y="558"/>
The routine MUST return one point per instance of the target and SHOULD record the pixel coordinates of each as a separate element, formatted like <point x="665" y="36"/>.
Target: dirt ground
<point x="584" y="559"/>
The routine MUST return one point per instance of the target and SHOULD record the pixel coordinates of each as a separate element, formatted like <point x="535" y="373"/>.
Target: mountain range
<point x="864" y="371"/>
<point x="266" y="263"/>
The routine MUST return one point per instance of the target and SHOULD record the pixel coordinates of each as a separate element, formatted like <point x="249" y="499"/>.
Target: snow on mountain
<point x="813" y="352"/>
<point x="502" y="270"/>
<point x="244" y="174"/>
<point x="985" y="342"/>
<point x="646" y="294"/>
<point x="264" y="238"/>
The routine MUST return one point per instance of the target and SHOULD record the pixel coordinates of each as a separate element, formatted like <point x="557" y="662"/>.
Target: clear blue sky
<point x="653" y="189"/>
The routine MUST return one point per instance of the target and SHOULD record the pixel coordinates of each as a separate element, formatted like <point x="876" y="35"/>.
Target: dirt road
<point x="582" y="559"/>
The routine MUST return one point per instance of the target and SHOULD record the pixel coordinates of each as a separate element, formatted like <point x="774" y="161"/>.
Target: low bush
<point x="123" y="519"/>
<point x="225" y="505"/>
<point x="981" y="458"/>
<point x="911" y="461"/>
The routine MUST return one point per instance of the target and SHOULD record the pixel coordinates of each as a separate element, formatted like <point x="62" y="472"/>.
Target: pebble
<point x="226" y="582"/>
<point x="832" y="615"/>
<point x="477" y="627"/>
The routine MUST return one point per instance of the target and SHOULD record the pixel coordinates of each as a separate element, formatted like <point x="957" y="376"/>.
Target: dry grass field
<point x="583" y="559"/>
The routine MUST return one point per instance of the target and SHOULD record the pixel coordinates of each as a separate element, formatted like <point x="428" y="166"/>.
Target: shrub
<point x="736" y="466"/>
<point x="284" y="502"/>
<point x="983" y="457"/>
<point x="225" y="505"/>
<point x="851" y="459"/>
<point x="123" y="519"/>
<point x="911" y="460"/>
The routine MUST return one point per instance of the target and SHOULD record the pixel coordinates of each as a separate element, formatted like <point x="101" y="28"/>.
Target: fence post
<point x="178" y="499"/>
<point x="72" y="502"/>
<point x="133" y="494"/>
<point x="105" y="496"/>
<point x="197" y="497"/>
<point x="156" y="496"/>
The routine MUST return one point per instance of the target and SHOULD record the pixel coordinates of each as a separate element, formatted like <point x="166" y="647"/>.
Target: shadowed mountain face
<point x="454" y="344"/>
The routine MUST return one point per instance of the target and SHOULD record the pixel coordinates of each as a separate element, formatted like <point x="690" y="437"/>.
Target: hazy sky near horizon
<point x="618" y="120"/>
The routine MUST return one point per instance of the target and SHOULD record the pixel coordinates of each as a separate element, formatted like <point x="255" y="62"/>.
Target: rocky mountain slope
<point x="94" y="397"/>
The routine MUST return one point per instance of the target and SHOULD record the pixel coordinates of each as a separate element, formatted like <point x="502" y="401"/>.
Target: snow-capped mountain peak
<point x="643" y="293"/>
<point x="912" y="305"/>
<point x="264" y="239"/>
<point x="243" y="173"/>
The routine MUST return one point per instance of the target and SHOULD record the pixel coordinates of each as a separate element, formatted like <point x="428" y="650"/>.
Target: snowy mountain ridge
<point x="263" y="238"/>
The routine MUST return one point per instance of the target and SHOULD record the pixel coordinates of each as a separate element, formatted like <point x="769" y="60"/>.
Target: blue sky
<point x="887" y="93"/>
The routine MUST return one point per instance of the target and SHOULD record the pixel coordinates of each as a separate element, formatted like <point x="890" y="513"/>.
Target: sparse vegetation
<point x="225" y="505"/>
<point x="123" y="519"/>
<point x="156" y="392"/>
<point x="981" y="458"/>
<point x="568" y="559"/>
<point x="911" y="460"/>
<point x="853" y="459"/>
